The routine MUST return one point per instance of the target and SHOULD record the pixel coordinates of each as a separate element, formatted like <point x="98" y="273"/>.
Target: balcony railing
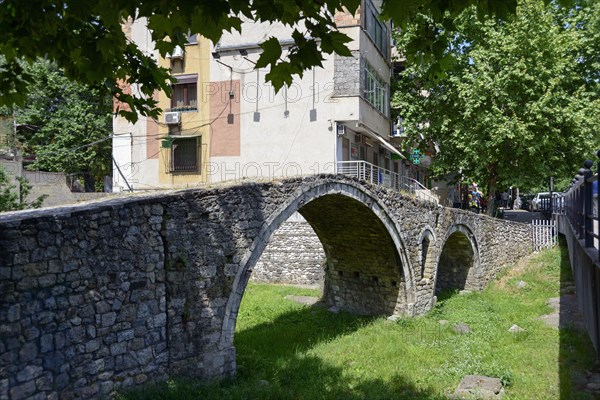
<point x="378" y="176"/>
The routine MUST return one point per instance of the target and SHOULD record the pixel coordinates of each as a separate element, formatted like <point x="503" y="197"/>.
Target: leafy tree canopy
<point x="85" y="38"/>
<point x="67" y="124"/>
<point x="519" y="101"/>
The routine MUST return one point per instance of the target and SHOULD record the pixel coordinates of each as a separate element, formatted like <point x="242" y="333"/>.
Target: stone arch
<point x="301" y="200"/>
<point x="458" y="264"/>
<point x="426" y="253"/>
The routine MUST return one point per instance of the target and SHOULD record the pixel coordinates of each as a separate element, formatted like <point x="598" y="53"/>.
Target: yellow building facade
<point x="184" y="129"/>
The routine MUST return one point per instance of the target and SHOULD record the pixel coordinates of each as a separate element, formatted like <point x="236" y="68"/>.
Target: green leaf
<point x="271" y="53"/>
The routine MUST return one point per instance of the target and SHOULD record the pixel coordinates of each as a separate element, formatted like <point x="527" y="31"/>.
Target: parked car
<point x="526" y="201"/>
<point x="541" y="202"/>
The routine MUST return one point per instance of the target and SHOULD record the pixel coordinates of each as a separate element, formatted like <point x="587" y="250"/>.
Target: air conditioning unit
<point x="177" y="53"/>
<point x="360" y="139"/>
<point x="172" y="118"/>
<point x="340" y="129"/>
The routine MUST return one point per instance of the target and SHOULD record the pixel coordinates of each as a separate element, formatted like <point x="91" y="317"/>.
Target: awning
<point x="370" y="133"/>
<point x="188" y="78"/>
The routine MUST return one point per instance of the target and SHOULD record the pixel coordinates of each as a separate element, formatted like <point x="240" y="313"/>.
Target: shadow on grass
<point x="576" y="353"/>
<point x="303" y="378"/>
<point x="273" y="364"/>
<point x="446" y="294"/>
<point x="294" y="331"/>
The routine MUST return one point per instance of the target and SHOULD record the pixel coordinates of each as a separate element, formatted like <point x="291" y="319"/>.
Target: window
<point x="184" y="97"/>
<point x="185" y="93"/>
<point x="362" y="152"/>
<point x="376" y="29"/>
<point x="184" y="155"/>
<point x="376" y="90"/>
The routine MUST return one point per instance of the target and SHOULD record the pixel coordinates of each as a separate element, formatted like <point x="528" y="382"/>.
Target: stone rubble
<point x="462" y="328"/>
<point x="477" y="387"/>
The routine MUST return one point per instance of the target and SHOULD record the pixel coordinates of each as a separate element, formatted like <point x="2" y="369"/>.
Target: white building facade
<point x="335" y="118"/>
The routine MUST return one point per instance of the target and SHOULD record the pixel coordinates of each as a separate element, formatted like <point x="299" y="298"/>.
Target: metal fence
<point x="577" y="214"/>
<point x="379" y="176"/>
<point x="580" y="205"/>
<point x="544" y="234"/>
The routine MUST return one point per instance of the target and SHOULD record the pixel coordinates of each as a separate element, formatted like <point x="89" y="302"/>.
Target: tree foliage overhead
<point x="519" y="100"/>
<point x="85" y="38"/>
<point x="67" y="124"/>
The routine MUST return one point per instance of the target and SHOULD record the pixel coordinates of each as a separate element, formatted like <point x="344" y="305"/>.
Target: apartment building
<point x="225" y="122"/>
<point x="173" y="150"/>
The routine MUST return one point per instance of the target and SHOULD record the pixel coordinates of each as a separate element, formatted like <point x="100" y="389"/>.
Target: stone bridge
<point x="121" y="291"/>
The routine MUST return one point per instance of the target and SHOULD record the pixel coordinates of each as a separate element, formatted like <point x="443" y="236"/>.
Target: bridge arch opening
<point x="366" y="270"/>
<point x="363" y="270"/>
<point x="294" y="255"/>
<point x="458" y="261"/>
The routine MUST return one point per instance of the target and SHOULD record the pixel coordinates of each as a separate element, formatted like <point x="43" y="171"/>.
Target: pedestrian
<point x="475" y="198"/>
<point x="517" y="203"/>
<point x="505" y="197"/>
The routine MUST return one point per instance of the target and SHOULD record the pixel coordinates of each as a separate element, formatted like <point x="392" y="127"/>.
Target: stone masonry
<point x="120" y="292"/>
<point x="348" y="75"/>
<point x="294" y="255"/>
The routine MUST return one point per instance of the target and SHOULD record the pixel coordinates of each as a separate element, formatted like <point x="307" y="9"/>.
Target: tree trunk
<point x="491" y="189"/>
<point x="89" y="182"/>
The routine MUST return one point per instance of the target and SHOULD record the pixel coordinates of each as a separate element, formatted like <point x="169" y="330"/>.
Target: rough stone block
<point x="92" y="346"/>
<point x="109" y="319"/>
<point x="28" y="373"/>
<point x="4" y="388"/>
<point x="54" y="361"/>
<point x="22" y="391"/>
<point x="479" y="388"/>
<point x="44" y="382"/>
<point x="118" y="348"/>
<point x="125" y="335"/>
<point x="28" y="352"/>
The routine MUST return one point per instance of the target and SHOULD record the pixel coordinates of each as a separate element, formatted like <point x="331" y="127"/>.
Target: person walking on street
<point x="505" y="199"/>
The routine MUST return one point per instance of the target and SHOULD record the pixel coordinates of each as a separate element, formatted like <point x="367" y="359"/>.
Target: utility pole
<point x="551" y="194"/>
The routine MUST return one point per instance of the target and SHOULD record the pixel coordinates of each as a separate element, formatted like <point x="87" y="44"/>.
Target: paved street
<point x="523" y="216"/>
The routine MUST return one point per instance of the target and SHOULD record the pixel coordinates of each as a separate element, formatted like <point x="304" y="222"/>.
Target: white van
<point x="541" y="202"/>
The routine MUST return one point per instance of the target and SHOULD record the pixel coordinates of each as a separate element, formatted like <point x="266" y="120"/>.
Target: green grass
<point x="289" y="351"/>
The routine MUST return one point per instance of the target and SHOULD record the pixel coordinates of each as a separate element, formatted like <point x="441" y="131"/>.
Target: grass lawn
<point x="290" y="351"/>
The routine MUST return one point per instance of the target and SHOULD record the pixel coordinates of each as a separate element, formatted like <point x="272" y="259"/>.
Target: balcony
<point x="378" y="176"/>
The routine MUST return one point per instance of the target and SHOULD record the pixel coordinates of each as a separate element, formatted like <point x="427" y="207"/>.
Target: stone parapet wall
<point x="83" y="308"/>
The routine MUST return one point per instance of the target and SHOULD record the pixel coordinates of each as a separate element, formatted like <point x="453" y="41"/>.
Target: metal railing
<point x="545" y="204"/>
<point x="578" y="216"/>
<point x="375" y="175"/>
<point x="580" y="205"/>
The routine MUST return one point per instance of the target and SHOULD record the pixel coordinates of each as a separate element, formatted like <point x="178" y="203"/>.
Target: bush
<point x="13" y="198"/>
